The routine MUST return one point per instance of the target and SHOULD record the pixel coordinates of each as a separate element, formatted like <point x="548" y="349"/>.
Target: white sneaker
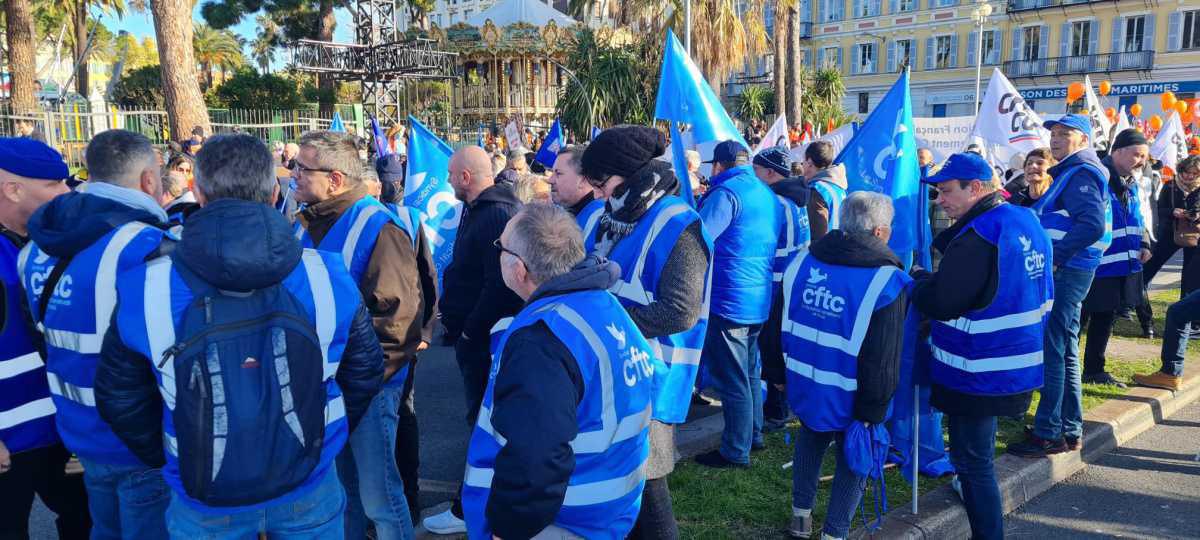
<point x="444" y="523"/>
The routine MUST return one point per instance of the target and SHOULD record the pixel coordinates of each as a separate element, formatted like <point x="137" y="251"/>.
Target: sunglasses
<point x="598" y="183"/>
<point x="496" y="243"/>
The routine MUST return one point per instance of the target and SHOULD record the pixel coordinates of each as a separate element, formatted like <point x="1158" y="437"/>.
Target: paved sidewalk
<point x="1147" y="488"/>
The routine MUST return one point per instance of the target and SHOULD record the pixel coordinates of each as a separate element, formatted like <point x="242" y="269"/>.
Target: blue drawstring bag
<point x="866" y="450"/>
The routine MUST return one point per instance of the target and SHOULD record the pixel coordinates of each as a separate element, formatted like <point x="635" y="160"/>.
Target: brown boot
<point x="1159" y="379"/>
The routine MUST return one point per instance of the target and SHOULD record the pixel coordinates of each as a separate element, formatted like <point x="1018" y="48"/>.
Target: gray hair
<point x="864" y="211"/>
<point x="236" y="166"/>
<point x="548" y="240"/>
<point x="335" y="151"/>
<point x="174" y="183"/>
<point x="118" y="157"/>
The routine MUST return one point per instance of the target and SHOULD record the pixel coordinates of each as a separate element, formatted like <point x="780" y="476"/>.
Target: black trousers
<point x="41" y="472"/>
<point x="656" y="519"/>
<point x="1099" y="330"/>
<point x="408" y="446"/>
<point x="474" y="361"/>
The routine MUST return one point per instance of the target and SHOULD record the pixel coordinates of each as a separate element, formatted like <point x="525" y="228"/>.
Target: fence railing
<point x="1088" y="63"/>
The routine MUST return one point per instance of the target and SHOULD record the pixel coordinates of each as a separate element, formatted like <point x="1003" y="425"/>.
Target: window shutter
<point x="972" y="43"/>
<point x="1044" y="47"/>
<point x="1175" y="31"/>
<point x="855" y="59"/>
<point x="1094" y="38"/>
<point x="1148" y="36"/>
<point x="994" y="54"/>
<point x="893" y="7"/>
<point x="807" y="58"/>
<point x="820" y="10"/>
<point x="877" y="8"/>
<point x="855" y="5"/>
<point x="1016" y="44"/>
<point x="954" y="51"/>
<point x="839" y="59"/>
<point x="806" y="11"/>
<point x="840" y="5"/>
<point x="821" y="58"/>
<point x="891" y="55"/>
<point x="1064" y="41"/>
<point x="1118" y="31"/>
<point x="929" y="52"/>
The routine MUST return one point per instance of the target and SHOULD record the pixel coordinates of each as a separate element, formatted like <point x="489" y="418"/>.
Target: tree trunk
<point x="181" y="86"/>
<point x="21" y="54"/>
<point x="795" y="63"/>
<point x="327" y="84"/>
<point x="779" y="39"/>
<point x="81" y="38"/>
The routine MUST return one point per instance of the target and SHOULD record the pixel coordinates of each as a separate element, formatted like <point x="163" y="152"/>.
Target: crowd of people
<point x="226" y="338"/>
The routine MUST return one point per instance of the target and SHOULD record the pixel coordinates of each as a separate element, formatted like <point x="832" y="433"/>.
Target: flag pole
<point x="687" y="26"/>
<point x="916" y="444"/>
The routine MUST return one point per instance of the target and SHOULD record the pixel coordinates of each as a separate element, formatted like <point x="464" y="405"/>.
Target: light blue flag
<point x="336" y="125"/>
<point x="882" y="157"/>
<point x="679" y="160"/>
<point x="427" y="188"/>
<point x="550" y="146"/>
<point x="685" y="96"/>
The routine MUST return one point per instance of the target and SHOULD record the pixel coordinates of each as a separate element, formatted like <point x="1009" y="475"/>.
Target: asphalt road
<point x="1149" y="488"/>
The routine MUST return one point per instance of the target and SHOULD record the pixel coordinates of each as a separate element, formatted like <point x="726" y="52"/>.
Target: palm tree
<point x="181" y="88"/>
<point x="794" y="63"/>
<point x="609" y="83"/>
<point x="262" y="49"/>
<point x="213" y="48"/>
<point x="78" y="12"/>
<point x="22" y="51"/>
<point x="754" y="103"/>
<point x="779" y="42"/>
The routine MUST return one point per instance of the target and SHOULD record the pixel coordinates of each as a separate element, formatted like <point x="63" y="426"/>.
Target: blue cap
<point x="727" y="152"/>
<point x="775" y="158"/>
<point x="31" y="158"/>
<point x="1077" y="122"/>
<point x="963" y="166"/>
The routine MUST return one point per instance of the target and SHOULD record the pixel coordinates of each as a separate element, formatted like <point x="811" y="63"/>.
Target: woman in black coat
<point x="1179" y="200"/>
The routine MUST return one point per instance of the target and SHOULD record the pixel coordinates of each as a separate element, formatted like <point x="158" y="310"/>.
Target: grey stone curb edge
<point x="1107" y="426"/>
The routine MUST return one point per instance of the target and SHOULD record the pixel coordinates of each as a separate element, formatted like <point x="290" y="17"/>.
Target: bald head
<point x="470" y="172"/>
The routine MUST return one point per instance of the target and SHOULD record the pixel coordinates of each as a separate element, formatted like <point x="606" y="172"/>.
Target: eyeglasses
<point x="497" y="245"/>
<point x="300" y="168"/>
<point x="598" y="183"/>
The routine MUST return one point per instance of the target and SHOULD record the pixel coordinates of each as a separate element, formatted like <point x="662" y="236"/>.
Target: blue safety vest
<point x="589" y="217"/>
<point x="26" y="410"/>
<point x="642" y="256"/>
<point x="77" y="316"/>
<point x="353" y="235"/>
<point x="744" y="254"/>
<point x="997" y="350"/>
<point x="1121" y="257"/>
<point x="154" y="298"/>
<point x="827" y="309"/>
<point x="409" y="220"/>
<point x="833" y="195"/>
<point x="604" y="492"/>
<point x="794" y="236"/>
<point x="1057" y="221"/>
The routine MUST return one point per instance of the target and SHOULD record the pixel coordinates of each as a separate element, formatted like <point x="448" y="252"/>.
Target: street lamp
<point x="980" y="15"/>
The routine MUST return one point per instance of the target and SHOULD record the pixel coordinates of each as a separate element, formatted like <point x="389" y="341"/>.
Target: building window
<point x="1135" y="32"/>
<point x="1081" y="37"/>
<point x="1032" y="43"/>
<point x="830" y="58"/>
<point x="991" y="46"/>
<point x="867" y="8"/>
<point x="939" y="110"/>
<point x="865" y="58"/>
<point x="864" y="100"/>
<point x="904" y="5"/>
<point x="832" y="10"/>
<point x="944" y="49"/>
<point x="1191" y="30"/>
<point x="904" y="52"/>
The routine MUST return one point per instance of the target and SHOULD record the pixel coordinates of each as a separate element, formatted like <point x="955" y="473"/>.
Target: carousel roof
<point x="533" y="12"/>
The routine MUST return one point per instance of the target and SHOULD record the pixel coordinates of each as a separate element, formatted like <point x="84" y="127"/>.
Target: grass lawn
<point x="756" y="503"/>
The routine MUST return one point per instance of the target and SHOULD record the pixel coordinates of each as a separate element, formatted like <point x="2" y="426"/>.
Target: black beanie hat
<point x="621" y="150"/>
<point x="1129" y="137"/>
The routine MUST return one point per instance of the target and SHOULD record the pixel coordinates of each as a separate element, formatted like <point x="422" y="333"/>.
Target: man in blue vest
<point x="988" y="302"/>
<point x="560" y="445"/>
<point x="828" y="183"/>
<point x="568" y="187"/>
<point x="844" y="306"/>
<point x="1118" y="283"/>
<point x="219" y="271"/>
<point x="32" y="457"/>
<point x="1078" y="217"/>
<point x="738" y="212"/>
<point x="382" y="260"/>
<point x="774" y="167"/>
<point x="80" y="243"/>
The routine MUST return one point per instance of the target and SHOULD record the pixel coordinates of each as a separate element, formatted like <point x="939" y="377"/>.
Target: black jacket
<point x="879" y="357"/>
<point x="794" y="189"/>
<point x="966" y="280"/>
<point x="537" y="391"/>
<point x="216" y="248"/>
<point x="474" y="295"/>
<point x="774" y="369"/>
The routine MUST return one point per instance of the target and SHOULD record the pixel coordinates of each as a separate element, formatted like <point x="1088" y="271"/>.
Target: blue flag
<point x="685" y="96"/>
<point x="551" y="145"/>
<point x="679" y="160"/>
<point x="336" y="125"/>
<point x="428" y="189"/>
<point x="381" y="143"/>
<point x="595" y="132"/>
<point x="882" y="157"/>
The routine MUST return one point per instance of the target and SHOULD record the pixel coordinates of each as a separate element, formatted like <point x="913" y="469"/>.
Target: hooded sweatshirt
<point x="818" y="207"/>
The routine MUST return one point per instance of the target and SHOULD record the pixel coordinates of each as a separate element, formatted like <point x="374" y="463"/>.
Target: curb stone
<point x="1107" y="426"/>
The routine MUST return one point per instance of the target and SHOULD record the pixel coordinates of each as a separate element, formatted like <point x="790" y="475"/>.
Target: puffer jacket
<point x="216" y="248"/>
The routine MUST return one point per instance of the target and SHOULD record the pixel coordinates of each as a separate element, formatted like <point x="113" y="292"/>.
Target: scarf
<point x="631" y="200"/>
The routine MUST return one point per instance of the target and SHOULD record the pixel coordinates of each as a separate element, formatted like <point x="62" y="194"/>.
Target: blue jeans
<point x="1060" y="411"/>
<point x="731" y="355"/>
<point x="806" y="471"/>
<point x="317" y="515"/>
<point x="1175" y="340"/>
<point x="126" y="501"/>
<point x="972" y="447"/>
<point x="367" y="467"/>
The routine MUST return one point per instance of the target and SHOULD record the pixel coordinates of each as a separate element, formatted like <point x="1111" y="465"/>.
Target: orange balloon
<point x="1111" y="113"/>
<point x="1168" y="100"/>
<point x="829" y="125"/>
<point x="1181" y="107"/>
<point x="1105" y="88"/>
<point x="1156" y="122"/>
<point x="1135" y="109"/>
<point x="1074" y="91"/>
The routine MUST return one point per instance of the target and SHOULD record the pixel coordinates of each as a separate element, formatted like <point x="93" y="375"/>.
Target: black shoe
<point x="1102" y="378"/>
<point x="758" y="447"/>
<point x="1037" y="447"/>
<point x="699" y="399"/>
<point x="775" y="424"/>
<point x="1148" y="332"/>
<point x="715" y="460"/>
<point x="1074" y="444"/>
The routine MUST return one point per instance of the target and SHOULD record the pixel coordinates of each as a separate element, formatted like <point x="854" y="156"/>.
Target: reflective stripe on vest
<point x="26" y="408"/>
<point x="346" y="236"/>
<point x="833" y="195"/>
<point x="1058" y="222"/>
<point x="1122" y="257"/>
<point x="794" y="236"/>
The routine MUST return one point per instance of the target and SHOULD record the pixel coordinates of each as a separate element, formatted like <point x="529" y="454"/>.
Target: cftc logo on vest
<point x="1035" y="261"/>
<point x="818" y="298"/>
<point x="635" y="362"/>
<point x="62" y="290"/>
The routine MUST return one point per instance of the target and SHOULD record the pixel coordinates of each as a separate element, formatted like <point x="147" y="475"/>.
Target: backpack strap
<point x="60" y="268"/>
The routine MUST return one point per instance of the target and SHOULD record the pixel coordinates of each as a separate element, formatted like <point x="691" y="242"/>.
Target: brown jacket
<point x="390" y="286"/>
<point x="818" y="207"/>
